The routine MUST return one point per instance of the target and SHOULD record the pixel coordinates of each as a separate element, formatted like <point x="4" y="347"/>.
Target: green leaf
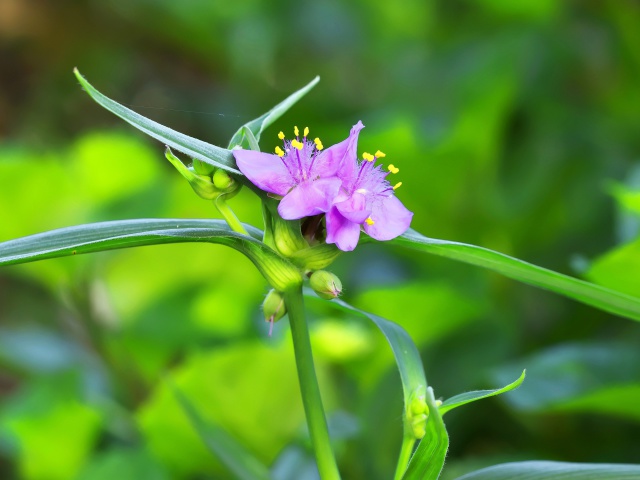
<point x="97" y="237"/>
<point x="226" y="448"/>
<point x="593" y="378"/>
<point x="469" y="397"/>
<point x="541" y="470"/>
<point x="428" y="460"/>
<point x="405" y="352"/>
<point x="589" y="293"/>
<point x="211" y="154"/>
<point x="258" y="125"/>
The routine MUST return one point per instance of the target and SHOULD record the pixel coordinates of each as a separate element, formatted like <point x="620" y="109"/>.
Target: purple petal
<point x="390" y="217"/>
<point x="354" y="208"/>
<point x="266" y="171"/>
<point x="309" y="198"/>
<point x="344" y="233"/>
<point x="339" y="158"/>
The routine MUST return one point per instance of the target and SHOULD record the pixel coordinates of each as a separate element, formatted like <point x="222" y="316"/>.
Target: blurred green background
<point x="515" y="127"/>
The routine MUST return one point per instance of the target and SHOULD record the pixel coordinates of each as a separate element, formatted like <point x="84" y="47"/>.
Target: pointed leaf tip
<point x="203" y="151"/>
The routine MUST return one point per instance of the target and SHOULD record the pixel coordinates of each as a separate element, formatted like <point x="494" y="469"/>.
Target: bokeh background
<point x="515" y="127"/>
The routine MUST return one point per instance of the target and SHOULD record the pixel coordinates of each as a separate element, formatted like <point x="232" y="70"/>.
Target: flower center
<point x="298" y="154"/>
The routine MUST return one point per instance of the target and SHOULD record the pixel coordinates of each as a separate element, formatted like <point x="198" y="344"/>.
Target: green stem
<point x="408" y="441"/>
<point x="228" y="215"/>
<point x="309" y="388"/>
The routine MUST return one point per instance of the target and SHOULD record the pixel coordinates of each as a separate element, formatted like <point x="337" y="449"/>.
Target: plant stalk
<point x="311" y="399"/>
<point x="228" y="215"/>
<point x="408" y="441"/>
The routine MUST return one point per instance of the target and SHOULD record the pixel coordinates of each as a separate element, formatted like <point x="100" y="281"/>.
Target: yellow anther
<point x="397" y="185"/>
<point x="306" y="131"/>
<point x="380" y="154"/>
<point x="279" y="152"/>
<point x="296" y="131"/>
<point x="393" y="169"/>
<point x="369" y="221"/>
<point x="281" y="136"/>
<point x="297" y="144"/>
<point x="319" y="146"/>
<point x="368" y="157"/>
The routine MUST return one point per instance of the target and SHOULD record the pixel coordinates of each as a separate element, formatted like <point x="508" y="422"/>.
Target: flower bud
<point x="287" y="236"/>
<point x="201" y="184"/>
<point x="223" y="181"/>
<point x="273" y="308"/>
<point x="203" y="168"/>
<point x="316" y="257"/>
<point x="417" y="412"/>
<point x="419" y="426"/>
<point x="325" y="284"/>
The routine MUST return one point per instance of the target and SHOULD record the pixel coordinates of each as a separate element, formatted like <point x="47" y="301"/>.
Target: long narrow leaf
<point x="589" y="293"/>
<point x="226" y="448"/>
<point x="208" y="153"/>
<point x="469" y="397"/>
<point x="428" y="460"/>
<point x="103" y="236"/>
<point x="258" y="125"/>
<point x="404" y="350"/>
<point x="538" y="470"/>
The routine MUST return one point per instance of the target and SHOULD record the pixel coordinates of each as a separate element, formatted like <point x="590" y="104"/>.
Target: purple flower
<point x="303" y="173"/>
<point x="367" y="199"/>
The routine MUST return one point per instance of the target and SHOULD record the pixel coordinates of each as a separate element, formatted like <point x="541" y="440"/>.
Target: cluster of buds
<point x="417" y="413"/>
<point x="206" y="180"/>
<point x="324" y="283"/>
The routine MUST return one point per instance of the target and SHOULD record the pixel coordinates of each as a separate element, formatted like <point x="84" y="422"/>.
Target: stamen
<point x="281" y="136"/>
<point x="306" y="131"/>
<point x="368" y="157"/>
<point x="297" y="144"/>
<point x="296" y="131"/>
<point x="369" y="221"/>
<point x="380" y="154"/>
<point x="318" y="143"/>
<point x="393" y="169"/>
<point x="279" y="152"/>
<point x="397" y="185"/>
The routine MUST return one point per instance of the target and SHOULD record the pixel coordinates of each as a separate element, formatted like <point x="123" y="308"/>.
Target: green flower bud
<point x="203" y="168"/>
<point x="287" y="236"/>
<point x="419" y="426"/>
<point x="325" y="284"/>
<point x="223" y="181"/>
<point x="201" y="184"/>
<point x="418" y="406"/>
<point x="316" y="257"/>
<point x="273" y="308"/>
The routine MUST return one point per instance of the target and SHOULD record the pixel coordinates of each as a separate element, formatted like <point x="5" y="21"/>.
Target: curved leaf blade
<point x="258" y="125"/>
<point x="542" y="470"/>
<point x="585" y="292"/>
<point x="428" y="460"/>
<point x="208" y="153"/>
<point x="468" y="397"/>
<point x="98" y="237"/>
<point x="404" y="350"/>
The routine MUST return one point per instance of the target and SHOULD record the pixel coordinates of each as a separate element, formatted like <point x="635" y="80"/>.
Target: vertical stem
<point x="309" y="388"/>
<point x="228" y="215"/>
<point x="408" y="441"/>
